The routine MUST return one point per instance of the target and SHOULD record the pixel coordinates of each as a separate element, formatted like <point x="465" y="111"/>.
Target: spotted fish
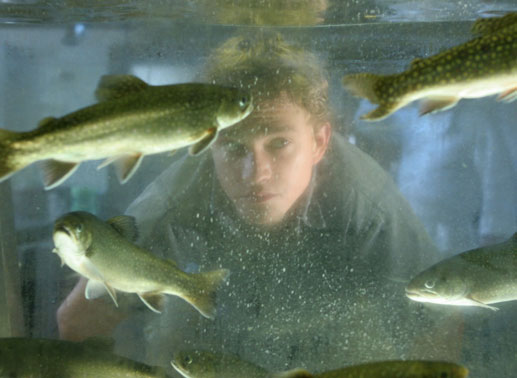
<point x="478" y="277"/>
<point x="483" y="66"/>
<point x="131" y="120"/>
<point x="206" y="364"/>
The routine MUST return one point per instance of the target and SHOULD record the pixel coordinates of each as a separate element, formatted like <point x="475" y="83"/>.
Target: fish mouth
<point x="179" y="369"/>
<point x="63" y="229"/>
<point x="416" y="294"/>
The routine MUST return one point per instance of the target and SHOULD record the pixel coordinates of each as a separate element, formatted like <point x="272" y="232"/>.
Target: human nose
<point x="257" y="167"/>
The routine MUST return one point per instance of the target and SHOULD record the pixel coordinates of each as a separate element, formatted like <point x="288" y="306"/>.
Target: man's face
<point x="265" y="163"/>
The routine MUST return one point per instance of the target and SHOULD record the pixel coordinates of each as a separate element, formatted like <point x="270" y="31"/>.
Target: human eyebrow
<point x="281" y="128"/>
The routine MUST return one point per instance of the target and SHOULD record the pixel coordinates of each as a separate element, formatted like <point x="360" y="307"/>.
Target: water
<point x="457" y="170"/>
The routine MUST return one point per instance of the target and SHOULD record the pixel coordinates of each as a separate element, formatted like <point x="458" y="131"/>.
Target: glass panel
<point x="279" y="235"/>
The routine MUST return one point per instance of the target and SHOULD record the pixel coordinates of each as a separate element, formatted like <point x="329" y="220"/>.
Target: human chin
<point x="260" y="214"/>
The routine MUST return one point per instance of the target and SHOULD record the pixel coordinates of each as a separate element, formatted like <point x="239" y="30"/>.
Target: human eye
<point x="278" y="143"/>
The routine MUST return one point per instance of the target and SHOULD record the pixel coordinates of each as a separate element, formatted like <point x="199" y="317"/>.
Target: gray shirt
<point x="324" y="290"/>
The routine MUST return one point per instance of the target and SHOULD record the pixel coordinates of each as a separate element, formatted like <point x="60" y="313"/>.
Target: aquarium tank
<point x="240" y="188"/>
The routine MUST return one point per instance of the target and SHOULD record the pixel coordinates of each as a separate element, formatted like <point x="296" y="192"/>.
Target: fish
<point x="197" y="363"/>
<point x="397" y="369"/>
<point x="132" y="119"/>
<point x="46" y="358"/>
<point x="484" y="66"/>
<point x="105" y="253"/>
<point x="478" y="277"/>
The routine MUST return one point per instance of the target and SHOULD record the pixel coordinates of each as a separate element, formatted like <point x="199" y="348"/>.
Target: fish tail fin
<point x="204" y="298"/>
<point x="363" y="85"/>
<point x="367" y="85"/>
<point x="8" y="163"/>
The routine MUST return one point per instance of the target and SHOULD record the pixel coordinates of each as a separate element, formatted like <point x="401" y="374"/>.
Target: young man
<point x="317" y="238"/>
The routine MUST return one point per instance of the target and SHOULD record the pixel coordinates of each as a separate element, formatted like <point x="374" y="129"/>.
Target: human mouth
<point x="259" y="197"/>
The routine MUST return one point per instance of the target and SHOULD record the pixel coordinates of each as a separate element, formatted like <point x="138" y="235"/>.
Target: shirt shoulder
<point x="350" y="180"/>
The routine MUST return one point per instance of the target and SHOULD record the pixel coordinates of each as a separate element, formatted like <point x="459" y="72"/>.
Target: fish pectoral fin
<point x="125" y="225"/>
<point x="294" y="373"/>
<point x="111" y="87"/>
<point x="481" y="304"/>
<point x="107" y="162"/>
<point x="126" y="166"/>
<point x="437" y="104"/>
<point x="55" y="172"/>
<point x="508" y="95"/>
<point x="204" y="143"/>
<point x="95" y="289"/>
<point x="54" y="250"/>
<point x="153" y="300"/>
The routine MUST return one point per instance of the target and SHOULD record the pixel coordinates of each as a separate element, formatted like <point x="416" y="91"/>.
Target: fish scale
<point x="132" y="119"/>
<point x="483" y="66"/>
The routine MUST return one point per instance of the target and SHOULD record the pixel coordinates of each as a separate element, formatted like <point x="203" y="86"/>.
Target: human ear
<point x="321" y="141"/>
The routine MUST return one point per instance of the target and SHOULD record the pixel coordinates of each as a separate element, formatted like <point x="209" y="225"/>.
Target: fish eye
<point x="429" y="284"/>
<point x="243" y="102"/>
<point x="79" y="228"/>
<point x="187" y="360"/>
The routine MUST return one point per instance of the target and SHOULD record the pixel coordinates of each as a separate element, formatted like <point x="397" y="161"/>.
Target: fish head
<point x="438" y="285"/>
<point x="198" y="363"/>
<point x="236" y="105"/>
<point x="195" y="363"/>
<point x="71" y="235"/>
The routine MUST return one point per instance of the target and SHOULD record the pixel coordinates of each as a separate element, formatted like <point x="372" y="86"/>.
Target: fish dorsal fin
<point x="125" y="225"/>
<point x="485" y="26"/>
<point x="46" y="121"/>
<point x="55" y="172"/>
<point x="294" y="373"/>
<point x="204" y="143"/>
<point x="111" y="87"/>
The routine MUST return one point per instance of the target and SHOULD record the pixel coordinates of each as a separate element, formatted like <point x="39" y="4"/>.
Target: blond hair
<point x="270" y="67"/>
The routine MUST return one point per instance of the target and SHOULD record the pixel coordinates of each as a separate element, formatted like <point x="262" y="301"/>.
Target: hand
<point x="79" y="318"/>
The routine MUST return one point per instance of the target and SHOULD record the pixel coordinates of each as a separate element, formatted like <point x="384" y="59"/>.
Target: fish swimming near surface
<point x="45" y="358"/>
<point x="205" y="364"/>
<point x="104" y="253"/>
<point x="483" y="66"/>
<point x="131" y="120"/>
<point x="478" y="277"/>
